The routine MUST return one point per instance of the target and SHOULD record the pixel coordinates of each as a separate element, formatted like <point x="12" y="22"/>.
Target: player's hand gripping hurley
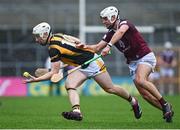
<point x="57" y="77"/>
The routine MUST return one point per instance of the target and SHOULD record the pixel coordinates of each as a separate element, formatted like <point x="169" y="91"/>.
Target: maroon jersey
<point x="132" y="45"/>
<point x="168" y="56"/>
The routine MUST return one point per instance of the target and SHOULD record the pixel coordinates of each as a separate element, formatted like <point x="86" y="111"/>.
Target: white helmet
<point x="109" y="12"/>
<point x="42" y="28"/>
<point x="168" y="45"/>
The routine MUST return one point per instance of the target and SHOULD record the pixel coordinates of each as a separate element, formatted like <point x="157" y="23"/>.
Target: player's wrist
<point x="110" y="44"/>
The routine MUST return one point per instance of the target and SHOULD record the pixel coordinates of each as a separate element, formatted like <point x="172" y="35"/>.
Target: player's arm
<point x="174" y="63"/>
<point x="116" y="37"/>
<point x="54" y="69"/>
<point x="41" y="71"/>
<point x="119" y="34"/>
<point x="55" y="66"/>
<point x="95" y="47"/>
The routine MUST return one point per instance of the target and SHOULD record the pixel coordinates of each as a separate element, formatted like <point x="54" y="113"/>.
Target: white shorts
<point x="166" y="72"/>
<point x="148" y="59"/>
<point x="96" y="67"/>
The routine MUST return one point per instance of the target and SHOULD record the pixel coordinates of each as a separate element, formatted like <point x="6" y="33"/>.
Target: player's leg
<point x="141" y="79"/>
<point x="73" y="81"/>
<point x="104" y="80"/>
<point x="148" y="97"/>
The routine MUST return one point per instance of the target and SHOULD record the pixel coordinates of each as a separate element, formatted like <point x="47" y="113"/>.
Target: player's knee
<point x="140" y="81"/>
<point x="69" y="84"/>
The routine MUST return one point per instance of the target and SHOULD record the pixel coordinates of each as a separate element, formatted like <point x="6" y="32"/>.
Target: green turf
<point x="99" y="113"/>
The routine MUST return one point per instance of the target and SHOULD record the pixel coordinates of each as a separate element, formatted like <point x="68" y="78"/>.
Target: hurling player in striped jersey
<point x="62" y="47"/>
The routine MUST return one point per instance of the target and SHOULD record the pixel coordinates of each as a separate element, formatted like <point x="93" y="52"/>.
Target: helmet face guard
<point x="36" y="35"/>
<point x="40" y="32"/>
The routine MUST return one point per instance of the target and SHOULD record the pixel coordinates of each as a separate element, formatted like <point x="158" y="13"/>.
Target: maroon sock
<point x="162" y="102"/>
<point x="130" y="98"/>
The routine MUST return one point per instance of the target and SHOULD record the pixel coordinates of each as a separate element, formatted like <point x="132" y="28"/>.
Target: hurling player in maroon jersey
<point x="167" y="67"/>
<point x="140" y="59"/>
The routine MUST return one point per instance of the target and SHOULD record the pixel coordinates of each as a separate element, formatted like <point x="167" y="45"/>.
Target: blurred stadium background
<point x="158" y="20"/>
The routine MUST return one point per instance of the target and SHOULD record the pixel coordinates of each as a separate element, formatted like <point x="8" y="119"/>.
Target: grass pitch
<point x="100" y="112"/>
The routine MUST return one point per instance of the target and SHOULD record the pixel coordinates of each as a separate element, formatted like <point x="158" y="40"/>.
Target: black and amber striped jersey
<point x="64" y="49"/>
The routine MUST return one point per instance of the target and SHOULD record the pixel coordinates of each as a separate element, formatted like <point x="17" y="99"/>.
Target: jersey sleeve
<point x="107" y="37"/>
<point x="54" y="54"/>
